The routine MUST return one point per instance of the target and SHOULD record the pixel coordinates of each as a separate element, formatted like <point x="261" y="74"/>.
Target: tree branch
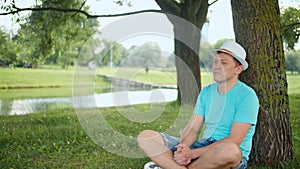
<point x="17" y="10"/>
<point x="80" y="8"/>
<point x="289" y="26"/>
<point x="169" y="6"/>
<point x="202" y="11"/>
<point x="213" y="2"/>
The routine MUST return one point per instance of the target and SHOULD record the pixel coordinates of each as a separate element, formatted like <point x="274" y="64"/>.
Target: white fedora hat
<point x="235" y="50"/>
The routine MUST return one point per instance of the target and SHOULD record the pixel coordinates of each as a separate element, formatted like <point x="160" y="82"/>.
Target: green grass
<point x="55" y="139"/>
<point x="155" y="76"/>
<point x="293" y="84"/>
<point x="43" y="82"/>
<point x="295" y="124"/>
<point x="35" y="78"/>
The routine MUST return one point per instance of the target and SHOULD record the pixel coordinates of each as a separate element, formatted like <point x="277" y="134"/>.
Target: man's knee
<point x="147" y="136"/>
<point x="151" y="143"/>
<point x="224" y="155"/>
<point x="229" y="153"/>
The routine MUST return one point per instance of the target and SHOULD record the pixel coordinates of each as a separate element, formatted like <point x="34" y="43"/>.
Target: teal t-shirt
<point x="220" y="111"/>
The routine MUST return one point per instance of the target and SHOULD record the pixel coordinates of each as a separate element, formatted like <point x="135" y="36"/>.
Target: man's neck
<point x="226" y="86"/>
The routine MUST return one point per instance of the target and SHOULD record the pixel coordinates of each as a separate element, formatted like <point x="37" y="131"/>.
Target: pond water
<point x="121" y="98"/>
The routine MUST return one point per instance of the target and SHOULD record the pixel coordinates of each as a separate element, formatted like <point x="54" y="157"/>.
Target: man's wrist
<point x="196" y="153"/>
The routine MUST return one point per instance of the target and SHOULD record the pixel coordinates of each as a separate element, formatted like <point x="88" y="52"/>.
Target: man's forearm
<point x="188" y="136"/>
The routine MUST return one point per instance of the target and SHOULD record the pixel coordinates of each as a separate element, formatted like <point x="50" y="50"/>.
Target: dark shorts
<point x="171" y="142"/>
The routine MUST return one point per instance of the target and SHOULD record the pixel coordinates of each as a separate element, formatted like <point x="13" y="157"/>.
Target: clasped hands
<point x="183" y="155"/>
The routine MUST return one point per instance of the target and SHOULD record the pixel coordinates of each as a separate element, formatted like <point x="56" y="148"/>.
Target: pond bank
<point x="133" y="84"/>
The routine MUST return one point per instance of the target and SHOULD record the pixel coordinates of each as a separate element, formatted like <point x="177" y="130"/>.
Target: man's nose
<point x="217" y="65"/>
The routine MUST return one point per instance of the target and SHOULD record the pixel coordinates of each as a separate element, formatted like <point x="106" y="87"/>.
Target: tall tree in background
<point x="8" y="52"/>
<point x="257" y="28"/>
<point x="195" y="12"/>
<point x="290" y="26"/>
<point x="46" y="32"/>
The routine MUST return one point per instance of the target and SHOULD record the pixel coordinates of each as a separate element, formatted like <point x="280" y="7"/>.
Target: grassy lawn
<point x="35" y="78"/>
<point x="156" y="76"/>
<point x="56" y="139"/>
<point x="293" y="84"/>
<point x="43" y="82"/>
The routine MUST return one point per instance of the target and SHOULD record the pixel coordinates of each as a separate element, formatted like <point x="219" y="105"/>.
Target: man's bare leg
<point x="224" y="156"/>
<point x="152" y="144"/>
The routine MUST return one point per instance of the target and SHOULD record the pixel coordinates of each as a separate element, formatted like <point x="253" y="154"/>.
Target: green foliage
<point x="292" y="60"/>
<point x="220" y="42"/>
<point x="8" y="53"/>
<point x="145" y="56"/>
<point x="124" y="2"/>
<point x="290" y="26"/>
<point x="47" y="33"/>
<point x="111" y="49"/>
<point x="206" y="57"/>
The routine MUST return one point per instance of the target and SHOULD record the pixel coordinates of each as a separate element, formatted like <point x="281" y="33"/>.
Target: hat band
<point x="226" y="50"/>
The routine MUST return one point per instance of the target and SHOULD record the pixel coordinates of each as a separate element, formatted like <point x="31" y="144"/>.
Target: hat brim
<point x="243" y="62"/>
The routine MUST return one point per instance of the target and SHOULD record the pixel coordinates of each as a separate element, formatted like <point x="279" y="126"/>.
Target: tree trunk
<point x="187" y="52"/>
<point x="187" y="65"/>
<point x="257" y="28"/>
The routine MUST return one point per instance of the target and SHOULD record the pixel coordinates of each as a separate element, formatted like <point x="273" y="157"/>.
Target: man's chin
<point x="218" y="80"/>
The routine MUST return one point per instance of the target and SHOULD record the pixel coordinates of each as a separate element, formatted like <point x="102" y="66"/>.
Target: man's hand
<point x="183" y="155"/>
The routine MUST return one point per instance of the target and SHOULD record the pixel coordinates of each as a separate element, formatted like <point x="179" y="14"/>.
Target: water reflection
<point x="122" y="98"/>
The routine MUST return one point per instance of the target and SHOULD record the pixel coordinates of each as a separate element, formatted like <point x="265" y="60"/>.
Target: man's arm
<point x="237" y="134"/>
<point x="187" y="138"/>
<point x="190" y="132"/>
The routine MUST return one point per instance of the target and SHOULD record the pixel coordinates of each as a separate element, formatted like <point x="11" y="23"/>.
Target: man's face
<point x="225" y="67"/>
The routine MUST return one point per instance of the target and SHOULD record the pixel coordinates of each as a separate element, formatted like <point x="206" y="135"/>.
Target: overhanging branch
<point x="213" y="2"/>
<point x="71" y="10"/>
<point x="290" y="26"/>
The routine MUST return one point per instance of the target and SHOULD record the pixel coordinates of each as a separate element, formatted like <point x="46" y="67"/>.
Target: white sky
<point x="219" y="15"/>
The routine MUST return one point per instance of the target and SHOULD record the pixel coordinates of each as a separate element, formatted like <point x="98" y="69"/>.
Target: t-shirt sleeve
<point x="200" y="106"/>
<point x="247" y="109"/>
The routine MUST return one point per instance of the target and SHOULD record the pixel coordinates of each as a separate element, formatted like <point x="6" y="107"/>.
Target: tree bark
<point x="257" y="28"/>
<point x="187" y="53"/>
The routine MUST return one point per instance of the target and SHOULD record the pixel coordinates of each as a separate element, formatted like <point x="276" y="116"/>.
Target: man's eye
<point x="224" y="63"/>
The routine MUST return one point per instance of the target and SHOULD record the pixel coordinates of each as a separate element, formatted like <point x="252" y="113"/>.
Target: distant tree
<point x="67" y="58"/>
<point x="118" y="52"/>
<point x="145" y="56"/>
<point x="171" y="61"/>
<point x="206" y="57"/>
<point x="220" y="42"/>
<point x="151" y="55"/>
<point x="132" y="59"/>
<point x="44" y="33"/>
<point x="290" y="26"/>
<point x="8" y="53"/>
<point x="292" y="60"/>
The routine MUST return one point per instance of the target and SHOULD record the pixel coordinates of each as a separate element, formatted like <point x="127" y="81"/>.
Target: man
<point x="229" y="109"/>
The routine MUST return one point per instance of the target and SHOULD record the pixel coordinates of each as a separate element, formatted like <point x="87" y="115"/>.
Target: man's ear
<point x="239" y="69"/>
